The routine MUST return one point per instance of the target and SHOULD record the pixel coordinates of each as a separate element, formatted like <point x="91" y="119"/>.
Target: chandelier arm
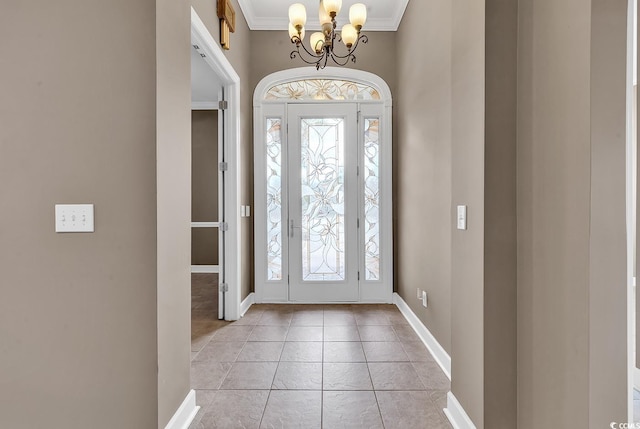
<point x="343" y="61"/>
<point x="313" y="59"/>
<point x="299" y="43"/>
<point x="298" y="54"/>
<point x="362" y="38"/>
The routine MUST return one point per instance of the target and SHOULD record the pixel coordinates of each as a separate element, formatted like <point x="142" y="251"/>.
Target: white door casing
<point x="230" y="253"/>
<point x="275" y="197"/>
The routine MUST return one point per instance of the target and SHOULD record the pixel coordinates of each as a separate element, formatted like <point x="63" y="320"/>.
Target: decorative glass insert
<point x="274" y="199"/>
<point x="322" y="89"/>
<point x="323" y="207"/>
<point x="372" y="198"/>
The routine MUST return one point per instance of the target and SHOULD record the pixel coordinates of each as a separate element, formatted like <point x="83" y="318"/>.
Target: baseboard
<point x="456" y="414"/>
<point x="246" y="304"/>
<point x="205" y="269"/>
<point x="185" y="413"/>
<point x="439" y="353"/>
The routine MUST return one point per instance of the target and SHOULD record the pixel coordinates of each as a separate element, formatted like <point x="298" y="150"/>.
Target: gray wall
<point x="204" y="185"/>
<point x="423" y="164"/>
<point x="566" y="163"/>
<point x="276" y="57"/>
<point x="571" y="239"/>
<point x="468" y="170"/>
<point x="78" y="327"/>
<point x="173" y="129"/>
<point x="242" y="63"/>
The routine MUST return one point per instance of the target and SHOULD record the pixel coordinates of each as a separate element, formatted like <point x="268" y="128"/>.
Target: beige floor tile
<point x="352" y="410"/>
<point x="302" y="352"/>
<point x="233" y="333"/>
<point x="199" y="341"/>
<point x="308" y="318"/>
<point x="293" y="409"/>
<point x="275" y="318"/>
<point x="269" y="333"/>
<point x="346" y="376"/>
<point x="372" y="318"/>
<point x="234" y="409"/>
<point x="341" y="333"/>
<point x="261" y="352"/>
<point x="343" y="352"/>
<point x="384" y="352"/>
<point x="409" y="410"/>
<point x="250" y="376"/>
<point x="377" y="333"/>
<point x="394" y="376"/>
<point x="406" y="333"/>
<point x="298" y="376"/>
<point x="338" y="318"/>
<point x="417" y="351"/>
<point x="208" y="375"/>
<point x="305" y="333"/>
<point x="220" y="352"/>
<point x="432" y="376"/>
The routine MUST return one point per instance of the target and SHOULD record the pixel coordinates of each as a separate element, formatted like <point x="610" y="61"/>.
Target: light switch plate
<point x="462" y="217"/>
<point x="74" y="218"/>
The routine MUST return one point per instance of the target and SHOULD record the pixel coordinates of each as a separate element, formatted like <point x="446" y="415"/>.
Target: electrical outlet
<point x="424" y="298"/>
<point x="419" y="295"/>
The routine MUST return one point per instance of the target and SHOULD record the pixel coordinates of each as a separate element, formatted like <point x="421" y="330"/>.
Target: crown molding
<point x="282" y="23"/>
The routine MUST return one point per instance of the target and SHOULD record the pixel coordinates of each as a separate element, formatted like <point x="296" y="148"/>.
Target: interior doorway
<point x="216" y="93"/>
<point x="323" y="228"/>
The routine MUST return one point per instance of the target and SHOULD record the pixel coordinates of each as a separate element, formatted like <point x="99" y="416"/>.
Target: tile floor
<point x="312" y="366"/>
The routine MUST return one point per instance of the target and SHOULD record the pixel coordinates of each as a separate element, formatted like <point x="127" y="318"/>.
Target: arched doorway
<point x="323" y="187"/>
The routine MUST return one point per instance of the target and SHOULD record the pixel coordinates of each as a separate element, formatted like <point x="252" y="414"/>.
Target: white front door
<point x="323" y="202"/>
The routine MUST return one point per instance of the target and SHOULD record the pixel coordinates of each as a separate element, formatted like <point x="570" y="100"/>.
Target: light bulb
<point x="333" y="6"/>
<point x="349" y="35"/>
<point x="293" y="32"/>
<point x="323" y="16"/>
<point x="358" y="15"/>
<point x="317" y="42"/>
<point x="297" y="15"/>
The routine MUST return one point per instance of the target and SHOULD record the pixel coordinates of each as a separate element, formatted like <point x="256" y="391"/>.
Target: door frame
<point x="215" y="58"/>
<point x="278" y="291"/>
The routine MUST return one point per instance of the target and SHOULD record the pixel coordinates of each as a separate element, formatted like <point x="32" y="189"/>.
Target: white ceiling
<point x="204" y="82"/>
<point x="383" y="15"/>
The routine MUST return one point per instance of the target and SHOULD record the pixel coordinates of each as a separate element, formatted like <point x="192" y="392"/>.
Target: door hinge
<point x="223" y="104"/>
<point x="224" y="226"/>
<point x="358" y="275"/>
<point x="224" y="287"/>
<point x="223" y="166"/>
<point x="358" y="222"/>
<point x="357" y="170"/>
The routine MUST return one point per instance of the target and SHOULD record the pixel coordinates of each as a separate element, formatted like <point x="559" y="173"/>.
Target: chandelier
<point x="323" y="43"/>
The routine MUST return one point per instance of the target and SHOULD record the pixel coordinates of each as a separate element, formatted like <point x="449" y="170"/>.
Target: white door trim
<point x="277" y="290"/>
<point x="230" y="80"/>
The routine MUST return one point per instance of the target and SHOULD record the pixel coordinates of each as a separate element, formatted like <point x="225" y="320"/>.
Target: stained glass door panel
<point x="323" y="203"/>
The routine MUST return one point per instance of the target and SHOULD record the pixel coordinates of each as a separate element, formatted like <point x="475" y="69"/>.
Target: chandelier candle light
<point x="323" y="43"/>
